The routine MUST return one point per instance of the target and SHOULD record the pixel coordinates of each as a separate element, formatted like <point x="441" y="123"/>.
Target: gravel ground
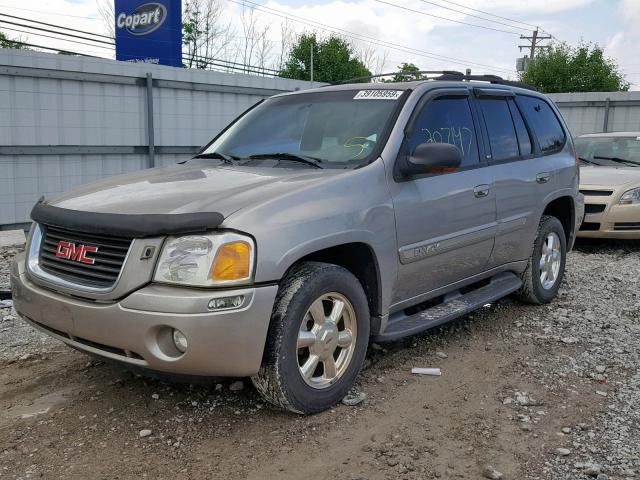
<point x="546" y="393"/>
<point x="599" y="313"/>
<point x="17" y="339"/>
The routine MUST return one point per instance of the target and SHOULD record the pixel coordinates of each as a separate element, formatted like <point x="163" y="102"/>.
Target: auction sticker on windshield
<point x="378" y="95"/>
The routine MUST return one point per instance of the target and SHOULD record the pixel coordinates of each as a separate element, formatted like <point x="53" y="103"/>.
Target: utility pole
<point x="534" y="39"/>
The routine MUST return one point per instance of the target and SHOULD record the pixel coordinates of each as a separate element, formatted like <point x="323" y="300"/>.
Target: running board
<point x="401" y="325"/>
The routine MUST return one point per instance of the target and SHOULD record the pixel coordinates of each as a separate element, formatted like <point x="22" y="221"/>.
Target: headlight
<point x="206" y="260"/>
<point x="630" y="197"/>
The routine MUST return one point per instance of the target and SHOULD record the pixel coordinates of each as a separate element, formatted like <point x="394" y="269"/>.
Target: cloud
<point x="623" y="45"/>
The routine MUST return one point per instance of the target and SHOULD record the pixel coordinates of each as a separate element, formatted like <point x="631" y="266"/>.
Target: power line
<point x="275" y="12"/>
<point x="228" y="64"/>
<point x="362" y="37"/>
<point x="53" y="31"/>
<point x="474" y="16"/>
<point x="196" y="57"/>
<point x="447" y="19"/>
<point x="53" y="25"/>
<point x="54" y="38"/>
<point x="481" y="11"/>
<point x="48" y="12"/>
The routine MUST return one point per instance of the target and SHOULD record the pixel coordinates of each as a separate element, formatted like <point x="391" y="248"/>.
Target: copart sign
<point x="149" y="32"/>
<point x="147" y="18"/>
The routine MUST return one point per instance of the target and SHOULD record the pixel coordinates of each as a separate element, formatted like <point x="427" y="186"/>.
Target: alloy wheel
<point x="326" y="340"/>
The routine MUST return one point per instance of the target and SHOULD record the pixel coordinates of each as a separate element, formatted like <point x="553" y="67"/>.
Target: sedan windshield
<point x="609" y="151"/>
<point x="333" y="129"/>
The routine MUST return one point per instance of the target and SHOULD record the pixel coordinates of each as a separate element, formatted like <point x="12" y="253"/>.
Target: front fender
<point x="353" y="207"/>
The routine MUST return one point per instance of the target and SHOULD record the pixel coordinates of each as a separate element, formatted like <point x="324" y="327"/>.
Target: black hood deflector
<point x="125" y="225"/>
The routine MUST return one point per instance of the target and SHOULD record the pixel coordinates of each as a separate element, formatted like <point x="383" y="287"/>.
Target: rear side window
<point x="524" y="141"/>
<point x="447" y="120"/>
<point x="502" y="133"/>
<point x="544" y="122"/>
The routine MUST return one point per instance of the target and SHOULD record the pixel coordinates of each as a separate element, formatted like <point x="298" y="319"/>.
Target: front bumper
<point x="615" y="221"/>
<point x="136" y="329"/>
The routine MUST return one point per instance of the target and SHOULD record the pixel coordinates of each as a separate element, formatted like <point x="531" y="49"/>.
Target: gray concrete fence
<point x="66" y="120"/>
<point x="596" y="112"/>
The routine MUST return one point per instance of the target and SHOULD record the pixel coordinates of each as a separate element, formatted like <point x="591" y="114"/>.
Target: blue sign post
<point x="149" y="32"/>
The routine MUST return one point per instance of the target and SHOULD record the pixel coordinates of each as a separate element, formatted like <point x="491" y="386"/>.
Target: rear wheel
<point x="317" y="339"/>
<point x="545" y="270"/>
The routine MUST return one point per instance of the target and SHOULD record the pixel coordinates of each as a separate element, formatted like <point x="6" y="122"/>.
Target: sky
<point x="415" y="32"/>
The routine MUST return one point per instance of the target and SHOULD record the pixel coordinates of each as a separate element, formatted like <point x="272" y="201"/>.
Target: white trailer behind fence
<point x="67" y="120"/>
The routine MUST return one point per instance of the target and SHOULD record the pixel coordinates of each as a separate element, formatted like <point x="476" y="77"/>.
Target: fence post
<point x="150" y="138"/>
<point x="607" y="107"/>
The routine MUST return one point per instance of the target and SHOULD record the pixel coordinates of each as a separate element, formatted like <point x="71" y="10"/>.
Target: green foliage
<point x="6" y="42"/>
<point x="333" y="60"/>
<point x="584" y="68"/>
<point x="407" y="72"/>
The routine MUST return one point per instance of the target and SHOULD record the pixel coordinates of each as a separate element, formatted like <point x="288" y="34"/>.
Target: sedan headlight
<point x="630" y="197"/>
<point x="206" y="260"/>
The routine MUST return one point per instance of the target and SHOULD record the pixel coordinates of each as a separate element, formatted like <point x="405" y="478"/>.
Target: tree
<point x="584" y="68"/>
<point x="205" y="35"/>
<point x="106" y="10"/>
<point x="407" y="72"/>
<point x="6" y="42"/>
<point x="334" y="60"/>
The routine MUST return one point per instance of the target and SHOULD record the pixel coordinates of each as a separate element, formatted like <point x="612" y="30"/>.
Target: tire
<point x="280" y="379"/>
<point x="534" y="290"/>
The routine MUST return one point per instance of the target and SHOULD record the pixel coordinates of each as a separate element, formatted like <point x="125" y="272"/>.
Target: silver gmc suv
<point x="315" y="222"/>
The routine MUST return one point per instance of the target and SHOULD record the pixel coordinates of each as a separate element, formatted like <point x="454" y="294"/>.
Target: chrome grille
<point x="103" y="273"/>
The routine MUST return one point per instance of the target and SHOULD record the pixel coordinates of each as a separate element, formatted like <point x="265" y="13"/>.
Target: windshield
<point x="609" y="151"/>
<point x="334" y="129"/>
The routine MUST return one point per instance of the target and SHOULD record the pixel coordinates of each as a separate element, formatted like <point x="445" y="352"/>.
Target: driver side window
<point x="447" y="120"/>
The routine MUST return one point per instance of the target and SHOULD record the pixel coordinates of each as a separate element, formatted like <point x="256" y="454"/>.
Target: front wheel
<point x="317" y="339"/>
<point x="545" y="270"/>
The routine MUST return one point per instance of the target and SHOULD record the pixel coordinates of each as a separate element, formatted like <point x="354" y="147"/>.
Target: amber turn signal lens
<point x="233" y="262"/>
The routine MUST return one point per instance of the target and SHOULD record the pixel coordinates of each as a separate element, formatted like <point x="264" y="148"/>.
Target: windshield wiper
<point x="617" y="160"/>
<point x="220" y="156"/>
<point x="582" y="159"/>
<point x="314" y="162"/>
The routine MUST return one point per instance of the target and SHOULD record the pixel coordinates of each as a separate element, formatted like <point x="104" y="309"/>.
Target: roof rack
<point x="407" y="74"/>
<point x="443" y="75"/>
<point x="495" y="79"/>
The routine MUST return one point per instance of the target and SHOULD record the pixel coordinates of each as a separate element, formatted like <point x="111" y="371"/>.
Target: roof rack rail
<point x="408" y="74"/>
<point x="495" y="79"/>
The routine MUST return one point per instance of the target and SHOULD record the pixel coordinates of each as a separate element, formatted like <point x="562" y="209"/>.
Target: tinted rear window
<point x="544" y="123"/>
<point x="523" y="135"/>
<point x="502" y="134"/>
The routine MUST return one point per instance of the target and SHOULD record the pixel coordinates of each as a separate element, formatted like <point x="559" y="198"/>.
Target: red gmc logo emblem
<point x="76" y="253"/>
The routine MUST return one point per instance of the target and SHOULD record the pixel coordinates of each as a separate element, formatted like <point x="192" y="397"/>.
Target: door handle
<point x="543" y="177"/>
<point x="481" y="191"/>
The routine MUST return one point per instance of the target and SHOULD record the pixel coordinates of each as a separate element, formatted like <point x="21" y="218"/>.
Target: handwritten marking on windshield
<point x="350" y="143"/>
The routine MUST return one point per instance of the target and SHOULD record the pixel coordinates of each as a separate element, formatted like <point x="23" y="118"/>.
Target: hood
<point x="609" y="176"/>
<point x="188" y="188"/>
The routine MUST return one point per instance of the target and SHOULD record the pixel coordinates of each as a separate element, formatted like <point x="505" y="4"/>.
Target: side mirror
<point x="432" y="158"/>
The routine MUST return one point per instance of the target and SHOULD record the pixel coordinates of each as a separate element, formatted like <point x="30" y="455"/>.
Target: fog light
<point x="179" y="340"/>
<point x="225" y="303"/>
